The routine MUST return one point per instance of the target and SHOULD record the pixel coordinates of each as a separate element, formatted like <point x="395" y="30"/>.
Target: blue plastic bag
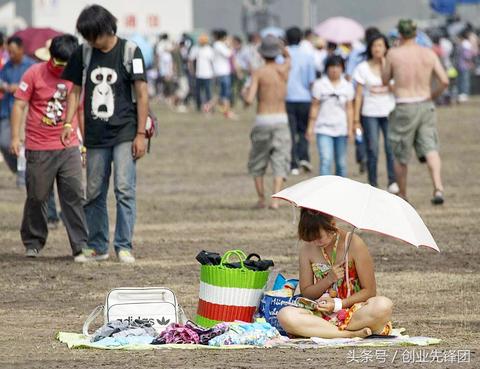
<point x="270" y="306"/>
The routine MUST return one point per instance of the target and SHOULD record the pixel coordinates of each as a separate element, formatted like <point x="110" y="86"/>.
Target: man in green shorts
<point x="413" y="122"/>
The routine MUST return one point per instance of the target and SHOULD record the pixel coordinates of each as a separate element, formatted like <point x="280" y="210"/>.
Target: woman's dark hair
<point x="371" y="40"/>
<point x="15" y="40"/>
<point x="312" y="222"/>
<point x="95" y="21"/>
<point x="334" y="60"/>
<point x="294" y="35"/>
<point x="62" y="47"/>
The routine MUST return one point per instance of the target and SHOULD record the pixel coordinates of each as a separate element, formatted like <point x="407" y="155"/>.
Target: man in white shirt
<point x="202" y="56"/>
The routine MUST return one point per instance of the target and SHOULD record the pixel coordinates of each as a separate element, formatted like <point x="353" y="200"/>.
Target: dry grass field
<point x="194" y="193"/>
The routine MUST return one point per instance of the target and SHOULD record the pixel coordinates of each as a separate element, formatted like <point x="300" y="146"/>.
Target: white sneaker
<point x="295" y="172"/>
<point x="462" y="98"/>
<point x="306" y="165"/>
<point x="126" y="257"/>
<point x="31" y="253"/>
<point x="88" y="255"/>
<point x="393" y="188"/>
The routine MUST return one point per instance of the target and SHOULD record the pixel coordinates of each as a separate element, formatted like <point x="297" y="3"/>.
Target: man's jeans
<point x="99" y="167"/>
<point x="298" y="120"/>
<point x="330" y="148"/>
<point x="203" y="86"/>
<point x="371" y="129"/>
<point x="463" y="82"/>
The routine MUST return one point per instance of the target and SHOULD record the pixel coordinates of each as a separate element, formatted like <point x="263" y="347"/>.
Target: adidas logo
<point x="163" y="321"/>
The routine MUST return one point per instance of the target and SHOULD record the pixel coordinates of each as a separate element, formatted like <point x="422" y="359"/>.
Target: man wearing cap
<point x="413" y="122"/>
<point x="270" y="136"/>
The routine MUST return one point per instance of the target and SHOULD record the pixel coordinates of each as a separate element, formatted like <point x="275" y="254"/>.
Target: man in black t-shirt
<point x="114" y="130"/>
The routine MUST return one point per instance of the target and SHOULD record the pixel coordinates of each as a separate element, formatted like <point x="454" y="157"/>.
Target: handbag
<point x="157" y="305"/>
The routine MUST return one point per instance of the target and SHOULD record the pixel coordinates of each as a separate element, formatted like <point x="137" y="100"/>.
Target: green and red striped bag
<point x="229" y="294"/>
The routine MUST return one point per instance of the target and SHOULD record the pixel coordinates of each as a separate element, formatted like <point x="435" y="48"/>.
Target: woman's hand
<point x="325" y="304"/>
<point x="310" y="135"/>
<point x="337" y="272"/>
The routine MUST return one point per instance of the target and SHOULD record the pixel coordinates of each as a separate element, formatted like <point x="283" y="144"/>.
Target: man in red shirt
<point x="45" y="93"/>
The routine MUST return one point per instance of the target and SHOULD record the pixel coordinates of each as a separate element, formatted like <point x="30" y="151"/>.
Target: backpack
<point x="157" y="305"/>
<point x="151" y="127"/>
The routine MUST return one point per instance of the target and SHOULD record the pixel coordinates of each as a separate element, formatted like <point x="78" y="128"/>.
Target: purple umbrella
<point x="340" y="30"/>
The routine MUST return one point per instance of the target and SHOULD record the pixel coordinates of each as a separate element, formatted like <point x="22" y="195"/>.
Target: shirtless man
<point x="270" y="136"/>
<point x="413" y="122"/>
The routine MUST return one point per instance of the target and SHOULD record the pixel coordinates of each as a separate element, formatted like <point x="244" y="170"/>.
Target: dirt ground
<point x="193" y="194"/>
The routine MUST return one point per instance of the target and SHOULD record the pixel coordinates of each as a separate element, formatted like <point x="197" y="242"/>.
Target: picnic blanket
<point x="79" y="341"/>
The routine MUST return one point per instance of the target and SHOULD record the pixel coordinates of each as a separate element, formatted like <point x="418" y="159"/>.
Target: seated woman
<point x="347" y="305"/>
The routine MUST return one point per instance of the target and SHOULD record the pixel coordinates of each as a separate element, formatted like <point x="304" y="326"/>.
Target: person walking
<point x="301" y="77"/>
<point x="201" y="56"/>
<point x="373" y="103"/>
<point x="114" y="131"/>
<point x="413" y="122"/>
<point x="331" y="117"/>
<point x="223" y="69"/>
<point x="10" y="77"/>
<point x="270" y="136"/>
<point x="44" y="93"/>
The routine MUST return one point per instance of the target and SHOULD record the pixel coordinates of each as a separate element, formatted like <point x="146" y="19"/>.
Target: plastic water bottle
<point x="21" y="162"/>
<point x="358" y="135"/>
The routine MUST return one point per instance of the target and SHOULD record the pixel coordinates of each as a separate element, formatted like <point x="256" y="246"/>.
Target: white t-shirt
<point x="332" y="116"/>
<point x="221" y="60"/>
<point x="204" y="57"/>
<point x="165" y="64"/>
<point x="377" y="101"/>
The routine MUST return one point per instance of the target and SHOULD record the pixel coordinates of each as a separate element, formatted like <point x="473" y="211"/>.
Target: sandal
<point x="437" y="198"/>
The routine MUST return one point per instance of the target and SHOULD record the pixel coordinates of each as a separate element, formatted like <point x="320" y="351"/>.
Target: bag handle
<point x="238" y="253"/>
<point x="250" y="256"/>
<point x="93" y="315"/>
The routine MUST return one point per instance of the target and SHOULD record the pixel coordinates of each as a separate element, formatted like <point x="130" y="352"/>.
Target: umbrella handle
<point x="348" y="244"/>
<point x="346" y="261"/>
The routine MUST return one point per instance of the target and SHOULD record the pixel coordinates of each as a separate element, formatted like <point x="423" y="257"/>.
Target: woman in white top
<point x="373" y="104"/>
<point x="331" y="117"/>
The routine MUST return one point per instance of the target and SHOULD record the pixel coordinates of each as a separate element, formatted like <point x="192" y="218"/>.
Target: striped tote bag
<point x="229" y="294"/>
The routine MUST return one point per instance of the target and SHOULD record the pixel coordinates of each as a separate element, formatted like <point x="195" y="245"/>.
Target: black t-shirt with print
<point x="110" y="115"/>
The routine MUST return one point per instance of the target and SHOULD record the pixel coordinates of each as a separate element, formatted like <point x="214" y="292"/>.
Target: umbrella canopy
<point x="363" y="206"/>
<point x="274" y="31"/>
<point x="340" y="30"/>
<point x="36" y="38"/>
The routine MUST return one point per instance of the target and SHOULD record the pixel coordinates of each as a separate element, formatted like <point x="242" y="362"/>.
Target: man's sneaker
<point x="295" y="172"/>
<point x="31" y="253"/>
<point x="393" y="188"/>
<point x="306" y="165"/>
<point x="88" y="255"/>
<point x="53" y="224"/>
<point x="126" y="257"/>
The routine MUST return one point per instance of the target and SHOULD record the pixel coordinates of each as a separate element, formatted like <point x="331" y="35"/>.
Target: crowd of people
<point x="217" y="72"/>
<point x="307" y="91"/>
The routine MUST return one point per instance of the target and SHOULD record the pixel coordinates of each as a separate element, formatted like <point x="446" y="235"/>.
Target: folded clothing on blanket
<point x="189" y="333"/>
<point x="125" y="328"/>
<point x="256" y="334"/>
